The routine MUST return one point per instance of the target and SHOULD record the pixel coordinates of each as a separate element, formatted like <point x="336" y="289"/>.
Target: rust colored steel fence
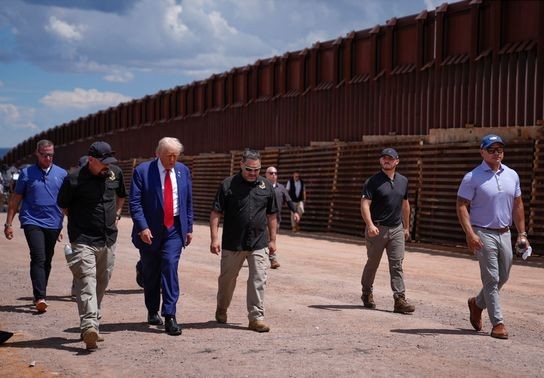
<point x="334" y="175"/>
<point x="471" y="63"/>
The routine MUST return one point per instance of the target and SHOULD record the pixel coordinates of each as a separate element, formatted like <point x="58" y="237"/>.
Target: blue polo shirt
<point x="491" y="195"/>
<point x="39" y="190"/>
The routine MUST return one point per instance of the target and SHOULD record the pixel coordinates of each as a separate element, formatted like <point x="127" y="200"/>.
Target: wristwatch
<point x="523" y="234"/>
<point x="118" y="217"/>
<point x="6" y="225"/>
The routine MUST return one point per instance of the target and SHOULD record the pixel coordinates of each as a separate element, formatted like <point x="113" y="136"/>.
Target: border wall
<point x="334" y="173"/>
<point x="477" y="63"/>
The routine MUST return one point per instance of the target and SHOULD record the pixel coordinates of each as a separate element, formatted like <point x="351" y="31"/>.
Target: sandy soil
<point x="319" y="327"/>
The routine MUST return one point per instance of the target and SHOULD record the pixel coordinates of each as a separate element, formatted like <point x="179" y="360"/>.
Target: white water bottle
<point x="67" y="250"/>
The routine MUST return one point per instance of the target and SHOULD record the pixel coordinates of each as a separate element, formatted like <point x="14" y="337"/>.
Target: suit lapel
<point x="156" y="177"/>
<point x="178" y="182"/>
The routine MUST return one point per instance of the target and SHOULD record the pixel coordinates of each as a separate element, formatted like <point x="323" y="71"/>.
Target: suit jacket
<point x="147" y="204"/>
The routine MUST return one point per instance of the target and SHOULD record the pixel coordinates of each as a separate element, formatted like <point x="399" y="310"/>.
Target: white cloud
<point x="119" y="77"/>
<point x="13" y="117"/>
<point x="220" y="26"/>
<point x="64" y="30"/>
<point x="82" y="99"/>
<point x="431" y="4"/>
<point x="173" y="22"/>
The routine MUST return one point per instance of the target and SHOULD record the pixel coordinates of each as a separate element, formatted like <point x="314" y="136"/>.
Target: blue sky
<point x="64" y="59"/>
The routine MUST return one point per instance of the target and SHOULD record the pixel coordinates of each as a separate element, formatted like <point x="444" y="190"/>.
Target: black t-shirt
<point x="245" y="206"/>
<point x="386" y="196"/>
<point x="91" y="205"/>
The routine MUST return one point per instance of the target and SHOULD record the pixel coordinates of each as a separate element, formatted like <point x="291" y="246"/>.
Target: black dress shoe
<point x="154" y="319"/>
<point x="171" y="326"/>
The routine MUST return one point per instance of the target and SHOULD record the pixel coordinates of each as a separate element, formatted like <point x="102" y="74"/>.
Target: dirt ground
<point x="319" y="326"/>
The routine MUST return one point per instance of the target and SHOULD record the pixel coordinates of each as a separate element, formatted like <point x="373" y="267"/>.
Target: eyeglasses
<point x="498" y="150"/>
<point x="251" y="170"/>
<point x="271" y="173"/>
<point x="46" y="155"/>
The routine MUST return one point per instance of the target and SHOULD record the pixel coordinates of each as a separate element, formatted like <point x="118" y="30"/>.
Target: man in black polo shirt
<point x="386" y="212"/>
<point x="92" y="196"/>
<point x="248" y="204"/>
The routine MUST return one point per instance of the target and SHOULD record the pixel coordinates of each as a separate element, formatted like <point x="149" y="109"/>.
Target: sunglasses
<point x="46" y="155"/>
<point x="271" y="173"/>
<point x="251" y="170"/>
<point x="498" y="150"/>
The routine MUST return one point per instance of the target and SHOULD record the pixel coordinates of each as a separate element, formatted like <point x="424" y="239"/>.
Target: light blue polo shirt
<point x="491" y="195"/>
<point x="39" y="190"/>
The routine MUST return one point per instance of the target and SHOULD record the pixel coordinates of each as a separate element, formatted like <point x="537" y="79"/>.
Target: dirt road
<point x="319" y="327"/>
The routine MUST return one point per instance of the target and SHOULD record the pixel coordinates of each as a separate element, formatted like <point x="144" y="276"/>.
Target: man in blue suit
<point x="162" y="211"/>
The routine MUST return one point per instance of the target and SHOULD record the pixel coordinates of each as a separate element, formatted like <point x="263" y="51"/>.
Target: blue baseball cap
<point x="489" y="139"/>
<point x="390" y="152"/>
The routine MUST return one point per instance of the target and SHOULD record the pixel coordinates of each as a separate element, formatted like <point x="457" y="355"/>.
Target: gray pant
<point x="392" y="240"/>
<point x="231" y="263"/>
<point x="495" y="260"/>
<point x="91" y="268"/>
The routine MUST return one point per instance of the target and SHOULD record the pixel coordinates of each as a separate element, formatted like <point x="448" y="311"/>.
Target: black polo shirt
<point x="386" y="196"/>
<point x="245" y="206"/>
<point x="91" y="204"/>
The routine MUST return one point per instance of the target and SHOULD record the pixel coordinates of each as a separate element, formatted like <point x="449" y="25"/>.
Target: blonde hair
<point x="171" y="142"/>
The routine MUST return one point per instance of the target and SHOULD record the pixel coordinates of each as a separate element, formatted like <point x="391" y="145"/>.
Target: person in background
<point x="386" y="212"/>
<point x="488" y="200"/>
<point x="297" y="192"/>
<point x="161" y="207"/>
<point x="282" y="197"/>
<point x="247" y="203"/>
<point x="92" y="196"/>
<point x="40" y="217"/>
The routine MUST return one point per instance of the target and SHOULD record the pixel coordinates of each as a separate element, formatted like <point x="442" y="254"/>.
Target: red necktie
<point x="168" y="201"/>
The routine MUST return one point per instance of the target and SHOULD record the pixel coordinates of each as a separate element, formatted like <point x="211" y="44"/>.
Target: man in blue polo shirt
<point x="40" y="217"/>
<point x="488" y="199"/>
<point x="386" y="212"/>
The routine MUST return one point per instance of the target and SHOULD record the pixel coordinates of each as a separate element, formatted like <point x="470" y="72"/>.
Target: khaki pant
<point x="392" y="240"/>
<point x="231" y="263"/>
<point x="92" y="268"/>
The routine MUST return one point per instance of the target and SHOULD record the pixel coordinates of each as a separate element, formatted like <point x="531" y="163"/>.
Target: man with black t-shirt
<point x="92" y="196"/>
<point x="247" y="203"/>
<point x="386" y="212"/>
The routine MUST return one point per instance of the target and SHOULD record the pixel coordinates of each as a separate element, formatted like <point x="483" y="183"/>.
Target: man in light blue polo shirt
<point x="488" y="200"/>
<point x="40" y="217"/>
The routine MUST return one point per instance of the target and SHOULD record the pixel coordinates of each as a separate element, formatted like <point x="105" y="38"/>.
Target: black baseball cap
<point x="102" y="151"/>
<point x="390" y="152"/>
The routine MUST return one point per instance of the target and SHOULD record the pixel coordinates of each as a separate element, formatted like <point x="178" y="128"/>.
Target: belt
<point x="386" y="225"/>
<point x="501" y="230"/>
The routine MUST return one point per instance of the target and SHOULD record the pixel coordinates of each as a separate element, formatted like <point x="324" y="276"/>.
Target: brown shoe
<point x="90" y="337"/>
<point x="99" y="339"/>
<point x="402" y="306"/>
<point x="368" y="300"/>
<point x="221" y="316"/>
<point x="41" y="306"/>
<point x="274" y="264"/>
<point x="499" y="331"/>
<point x="258" y="326"/>
<point x="475" y="314"/>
